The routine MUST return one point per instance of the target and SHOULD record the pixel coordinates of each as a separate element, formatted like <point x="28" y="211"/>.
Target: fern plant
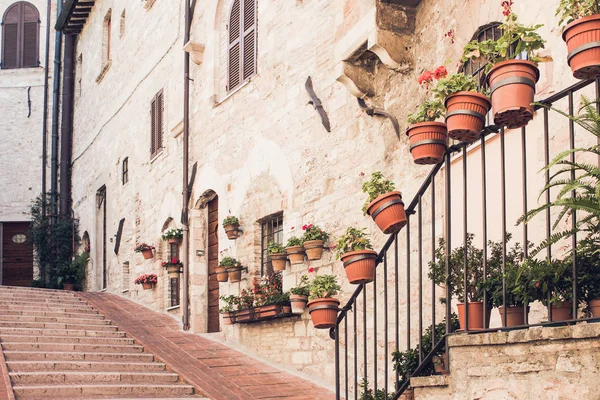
<point x="578" y="183"/>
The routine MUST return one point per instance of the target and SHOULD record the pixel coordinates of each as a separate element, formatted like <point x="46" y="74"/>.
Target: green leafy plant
<point x="455" y="83"/>
<point x="143" y="247"/>
<point x="366" y="393"/>
<point x="375" y="187"/>
<point x="229" y="262"/>
<point x="588" y="271"/>
<point x="294" y="241"/>
<point x="323" y="286"/>
<point x="231" y="220"/>
<point x="553" y="278"/>
<point x="571" y="10"/>
<point x="353" y="239"/>
<point x="244" y="300"/>
<point x="275" y="248"/>
<point x="172" y="233"/>
<point x="314" y="232"/>
<point x="303" y="288"/>
<point x="74" y="272"/>
<point x="229" y="301"/>
<point x="428" y="111"/>
<point x="282" y="299"/>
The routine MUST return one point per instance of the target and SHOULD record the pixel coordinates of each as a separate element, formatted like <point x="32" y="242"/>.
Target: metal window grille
<point x="174" y="289"/>
<point x="125" y="170"/>
<point x="476" y="68"/>
<point x="271" y="231"/>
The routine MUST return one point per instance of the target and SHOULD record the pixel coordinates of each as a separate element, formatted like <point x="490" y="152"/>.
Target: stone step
<point x="61" y="320"/>
<point x="60" y="332"/>
<point x="44" y="304"/>
<point x="56" y="325"/>
<point x="29" y="366"/>
<point x="58" y="314"/>
<point x="64" y="339"/>
<point x="87" y="377"/>
<point x="76" y="347"/>
<point x="36" y="291"/>
<point x="27" y="308"/>
<point x="79" y="391"/>
<point x="76" y="356"/>
<point x="41" y="299"/>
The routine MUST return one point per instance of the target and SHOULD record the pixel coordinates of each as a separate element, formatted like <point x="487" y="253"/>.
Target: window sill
<point x="173" y="308"/>
<point x="104" y="71"/>
<point x="125" y="291"/>
<point x="217" y="103"/>
<point x="149" y="4"/>
<point x="160" y="153"/>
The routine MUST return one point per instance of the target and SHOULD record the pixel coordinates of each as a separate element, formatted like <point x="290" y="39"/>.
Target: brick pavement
<point x="216" y="370"/>
<point x="6" y="392"/>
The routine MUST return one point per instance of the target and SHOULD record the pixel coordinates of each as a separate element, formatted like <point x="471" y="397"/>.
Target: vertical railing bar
<point x="573" y="211"/>
<point x="365" y="329"/>
<point x="420" y="233"/>
<point x="598" y="110"/>
<point x="547" y="177"/>
<point x="355" y="312"/>
<point x="448" y="234"/>
<point x="433" y="341"/>
<point x="375" y="331"/>
<point x="503" y="189"/>
<point x="385" y="319"/>
<point x="484" y="222"/>
<point x="525" y="226"/>
<point x="465" y="236"/>
<point x="346" y="354"/>
<point x="337" y="363"/>
<point x="397" y="310"/>
<point x="407" y="282"/>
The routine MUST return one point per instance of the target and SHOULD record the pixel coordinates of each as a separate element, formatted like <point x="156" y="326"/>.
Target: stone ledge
<point x="538" y="333"/>
<point x="429" y="381"/>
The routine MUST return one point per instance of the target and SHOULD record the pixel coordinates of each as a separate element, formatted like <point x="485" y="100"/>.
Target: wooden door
<point x="213" y="261"/>
<point x="17" y="254"/>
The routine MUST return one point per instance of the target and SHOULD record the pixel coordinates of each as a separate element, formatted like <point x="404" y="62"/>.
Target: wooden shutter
<point x="10" y="37"/>
<point x="153" y="127"/>
<point x="234" y="48"/>
<point x="160" y="105"/>
<point x="249" y="47"/>
<point x="20" y="36"/>
<point x="30" y="36"/>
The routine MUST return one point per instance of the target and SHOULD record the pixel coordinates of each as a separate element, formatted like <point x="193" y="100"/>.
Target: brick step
<point x="41" y="299"/>
<point x="60" y="332"/>
<point x="29" y="366"/>
<point x="27" y="308"/>
<point x="36" y="291"/>
<point x="78" y="391"/>
<point x="57" y="314"/>
<point x="44" y="304"/>
<point x="87" y="377"/>
<point x="56" y="325"/>
<point x="60" y="320"/>
<point x="77" y="347"/>
<point x="65" y="339"/>
<point x="76" y="356"/>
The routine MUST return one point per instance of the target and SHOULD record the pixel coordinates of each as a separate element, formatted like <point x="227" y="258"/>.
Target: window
<point x="126" y="278"/>
<point x="125" y="173"/>
<point x="156" y="124"/>
<point x="106" y="38"/>
<point x="20" y="36"/>
<point x="476" y="68"/>
<point x="242" y="43"/>
<point x="174" y="289"/>
<point x="271" y="231"/>
<point x="122" y="25"/>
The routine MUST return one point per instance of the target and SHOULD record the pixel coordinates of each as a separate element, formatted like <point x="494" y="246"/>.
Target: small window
<point x="174" y="289"/>
<point x="156" y="124"/>
<point x="271" y="231"/>
<point x="125" y="173"/>
<point x="242" y="43"/>
<point x="20" y="36"/>
<point x="122" y="25"/>
<point x="125" y="287"/>
<point x="106" y="38"/>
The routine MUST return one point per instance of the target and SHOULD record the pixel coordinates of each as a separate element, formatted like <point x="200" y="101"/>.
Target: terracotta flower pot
<point x="514" y="315"/>
<point x="512" y="84"/>
<point x="222" y="274"/>
<point x="148" y="254"/>
<point x="407" y="395"/>
<point x="286" y="309"/>
<point x="295" y="254"/>
<point x="147" y="286"/>
<point x="360" y="266"/>
<point x="69" y="286"/>
<point x="278" y="261"/>
<point x="594" y="306"/>
<point x="428" y="142"/>
<point x="466" y="115"/>
<point x="475" y="316"/>
<point x="244" y="315"/>
<point x="323" y="312"/>
<point x="235" y="274"/>
<point x="313" y="249"/>
<point x="439" y="364"/>
<point x="228" y="318"/>
<point x="175" y="240"/>
<point x="562" y="311"/>
<point x="388" y="212"/>
<point x="298" y="303"/>
<point x="174" y="271"/>
<point x="583" y="43"/>
<point x="270" y="310"/>
<point x="232" y="231"/>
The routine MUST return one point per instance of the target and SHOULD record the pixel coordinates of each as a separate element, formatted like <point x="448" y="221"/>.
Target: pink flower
<point x="440" y="72"/>
<point x="506" y="5"/>
<point x="425" y="78"/>
<point x="303" y="227"/>
<point x="311" y="270"/>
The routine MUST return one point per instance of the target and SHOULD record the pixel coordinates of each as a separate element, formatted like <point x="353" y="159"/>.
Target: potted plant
<point x="227" y="310"/>
<point x="554" y="279"/>
<point x="173" y="267"/>
<point x="355" y="250"/>
<point x="233" y="269"/>
<point x="267" y="293"/>
<point x="466" y="105"/>
<point x="474" y="285"/>
<point x="384" y="204"/>
<point x="299" y="295"/>
<point x="294" y="250"/>
<point x="313" y="241"/>
<point x="428" y="139"/>
<point x="173" y="235"/>
<point x="245" y="306"/>
<point x="323" y="307"/>
<point x="278" y="256"/>
<point x="146" y="250"/>
<point x="147" y="281"/>
<point x="588" y="274"/>
<point x="511" y="80"/>
<point x="582" y="35"/>
<point x="72" y="275"/>
<point x="231" y="224"/>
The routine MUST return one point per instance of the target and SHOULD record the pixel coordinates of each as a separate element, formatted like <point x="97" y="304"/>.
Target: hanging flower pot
<point x="148" y="254"/>
<point x="466" y="115"/>
<point x="323" y="312"/>
<point x="229" y="268"/>
<point x="475" y="316"/>
<point x="277" y="255"/>
<point x="173" y="236"/>
<point x="147" y="281"/>
<point x="231" y="225"/>
<point x="146" y="250"/>
<point x="512" y="84"/>
<point x="360" y="266"/>
<point x="388" y="212"/>
<point x="314" y="249"/>
<point x="515" y="315"/>
<point x="222" y="274"/>
<point x="314" y="239"/>
<point x="147" y="286"/>
<point x="562" y="311"/>
<point x="583" y="44"/>
<point x="295" y="254"/>
<point x="298" y="303"/>
<point x="174" y="271"/>
<point x="228" y="318"/>
<point x="235" y="274"/>
<point x="428" y="142"/>
<point x="286" y="309"/>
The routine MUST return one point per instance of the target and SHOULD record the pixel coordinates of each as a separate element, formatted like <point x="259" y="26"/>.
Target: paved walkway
<point x="216" y="370"/>
<point x="6" y="392"/>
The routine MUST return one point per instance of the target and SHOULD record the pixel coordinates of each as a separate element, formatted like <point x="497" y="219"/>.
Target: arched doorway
<point x="213" y="262"/>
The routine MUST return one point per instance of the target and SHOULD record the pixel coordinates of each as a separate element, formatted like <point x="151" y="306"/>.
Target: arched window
<point x="20" y="36"/>
<point x="476" y="68"/>
<point x="242" y="43"/>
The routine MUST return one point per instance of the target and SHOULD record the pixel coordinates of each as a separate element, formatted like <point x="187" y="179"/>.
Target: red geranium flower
<point x="311" y="270"/>
<point x="507" y="4"/>
<point x="425" y="78"/>
<point x="450" y="35"/>
<point x="303" y="227"/>
<point x="440" y="72"/>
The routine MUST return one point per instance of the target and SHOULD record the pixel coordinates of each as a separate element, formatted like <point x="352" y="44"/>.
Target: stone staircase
<point x="57" y="346"/>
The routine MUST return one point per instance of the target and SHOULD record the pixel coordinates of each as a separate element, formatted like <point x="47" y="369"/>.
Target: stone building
<point x="260" y="150"/>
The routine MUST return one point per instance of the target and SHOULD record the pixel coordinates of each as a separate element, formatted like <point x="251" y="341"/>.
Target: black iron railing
<point x="379" y="317"/>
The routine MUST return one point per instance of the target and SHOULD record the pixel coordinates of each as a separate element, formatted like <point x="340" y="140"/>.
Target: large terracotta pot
<point x="583" y="43"/>
<point x="595" y="307"/>
<point x="475" y="316"/>
<point x="174" y="271"/>
<point x="298" y="303"/>
<point x="147" y="286"/>
<point x="222" y="274"/>
<point x="512" y="84"/>
<point x="360" y="266"/>
<point x="228" y="318"/>
<point x="295" y="254"/>
<point x="278" y="261"/>
<point x="313" y="249"/>
<point x="234" y="274"/>
<point x="562" y="311"/>
<point x="428" y="142"/>
<point x="323" y="312"/>
<point x="232" y="231"/>
<point x="175" y="240"/>
<point x="148" y="254"/>
<point x="388" y="212"/>
<point x="69" y="286"/>
<point x="514" y="315"/>
<point x="466" y="115"/>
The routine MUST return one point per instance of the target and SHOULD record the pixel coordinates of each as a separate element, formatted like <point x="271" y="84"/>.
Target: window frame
<point x="240" y="41"/>
<point x="271" y="230"/>
<point x="157" y="122"/>
<point x="21" y="36"/>
<point x="125" y="171"/>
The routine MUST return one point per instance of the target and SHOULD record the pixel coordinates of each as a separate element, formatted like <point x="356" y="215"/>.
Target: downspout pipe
<point x="55" y="115"/>
<point x="66" y="134"/>
<point x="45" y="113"/>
